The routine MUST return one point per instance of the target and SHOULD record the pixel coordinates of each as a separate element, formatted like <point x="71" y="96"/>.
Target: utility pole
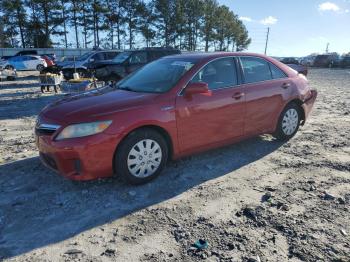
<point x="327" y="48"/>
<point x="267" y="39"/>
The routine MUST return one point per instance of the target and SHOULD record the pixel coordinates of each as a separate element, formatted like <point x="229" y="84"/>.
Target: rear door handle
<point x="285" y="85"/>
<point x="238" y="95"/>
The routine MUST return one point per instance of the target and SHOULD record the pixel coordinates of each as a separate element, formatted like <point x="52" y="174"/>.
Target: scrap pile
<point x="8" y="75"/>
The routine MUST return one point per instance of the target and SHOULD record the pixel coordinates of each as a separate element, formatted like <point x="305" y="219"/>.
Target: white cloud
<point x="245" y="18"/>
<point x="328" y="6"/>
<point x="347" y="11"/>
<point x="270" y="20"/>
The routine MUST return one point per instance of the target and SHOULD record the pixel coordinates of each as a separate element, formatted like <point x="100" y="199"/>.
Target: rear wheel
<point x="141" y="156"/>
<point x="9" y="67"/>
<point x="288" y="123"/>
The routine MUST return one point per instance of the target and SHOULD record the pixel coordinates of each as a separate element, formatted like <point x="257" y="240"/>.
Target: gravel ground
<point x="258" y="200"/>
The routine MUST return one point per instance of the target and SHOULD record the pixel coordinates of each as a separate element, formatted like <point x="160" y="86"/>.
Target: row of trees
<point x="184" y="24"/>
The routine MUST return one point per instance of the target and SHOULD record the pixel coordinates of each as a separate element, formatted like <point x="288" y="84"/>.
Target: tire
<point x="40" y="68"/>
<point x="141" y="156"/>
<point x="288" y="122"/>
<point x="10" y="78"/>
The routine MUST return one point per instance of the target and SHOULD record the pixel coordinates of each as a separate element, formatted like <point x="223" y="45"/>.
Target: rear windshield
<point x="121" y="57"/>
<point x="84" y="56"/>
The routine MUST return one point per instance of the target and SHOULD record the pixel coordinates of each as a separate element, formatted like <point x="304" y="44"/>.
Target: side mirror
<point x="91" y="60"/>
<point x="197" y="88"/>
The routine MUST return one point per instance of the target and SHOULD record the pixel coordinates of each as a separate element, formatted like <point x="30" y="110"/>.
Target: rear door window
<point x="255" y="69"/>
<point x="97" y="57"/>
<point x="138" y="58"/>
<point x="276" y="72"/>
<point x="156" y="54"/>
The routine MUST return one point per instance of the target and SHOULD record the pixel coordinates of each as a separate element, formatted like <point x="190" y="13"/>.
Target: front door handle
<point x="238" y="95"/>
<point x="285" y="85"/>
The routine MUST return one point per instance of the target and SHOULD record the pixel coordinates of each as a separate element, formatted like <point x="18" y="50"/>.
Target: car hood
<point x="67" y="63"/>
<point x="77" y="64"/>
<point x="94" y="105"/>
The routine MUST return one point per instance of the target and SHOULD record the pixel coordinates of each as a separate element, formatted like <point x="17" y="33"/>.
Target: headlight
<point x="83" y="129"/>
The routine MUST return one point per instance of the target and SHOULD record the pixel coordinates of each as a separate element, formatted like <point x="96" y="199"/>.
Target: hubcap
<point x="290" y="121"/>
<point x="144" y="158"/>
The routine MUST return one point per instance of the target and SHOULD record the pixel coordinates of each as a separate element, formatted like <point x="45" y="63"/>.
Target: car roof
<point x="209" y="55"/>
<point x="103" y="51"/>
<point x="153" y="50"/>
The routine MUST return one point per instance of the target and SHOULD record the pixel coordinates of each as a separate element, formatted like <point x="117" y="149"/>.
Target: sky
<point x="297" y="27"/>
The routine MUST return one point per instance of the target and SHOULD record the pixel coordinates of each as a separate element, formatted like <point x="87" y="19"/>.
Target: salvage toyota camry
<point x="172" y="107"/>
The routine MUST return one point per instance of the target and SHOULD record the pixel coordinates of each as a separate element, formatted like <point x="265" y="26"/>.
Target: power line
<point x="267" y="39"/>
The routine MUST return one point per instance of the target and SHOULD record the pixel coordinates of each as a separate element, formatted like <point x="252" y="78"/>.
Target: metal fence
<point x="59" y="52"/>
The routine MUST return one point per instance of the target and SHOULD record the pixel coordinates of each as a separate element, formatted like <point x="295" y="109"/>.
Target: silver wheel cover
<point x="144" y="158"/>
<point x="290" y="121"/>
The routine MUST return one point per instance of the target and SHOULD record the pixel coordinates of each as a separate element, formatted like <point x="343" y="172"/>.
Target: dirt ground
<point x="258" y="200"/>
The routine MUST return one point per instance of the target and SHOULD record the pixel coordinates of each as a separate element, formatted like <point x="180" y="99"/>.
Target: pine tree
<point x="133" y="10"/>
<point x="193" y="13"/>
<point x="74" y="10"/>
<point x="185" y="24"/>
<point x="165" y="12"/>
<point x="45" y="21"/>
<point x="15" y="19"/>
<point x="209" y="20"/>
<point x="64" y="18"/>
<point x="115" y="21"/>
<point x="147" y="21"/>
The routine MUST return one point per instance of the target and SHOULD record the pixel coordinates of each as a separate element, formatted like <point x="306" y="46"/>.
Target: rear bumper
<point x="309" y="103"/>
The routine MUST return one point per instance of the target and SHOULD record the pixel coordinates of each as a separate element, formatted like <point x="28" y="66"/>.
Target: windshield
<point x="84" y="56"/>
<point x="158" y="76"/>
<point x="122" y="57"/>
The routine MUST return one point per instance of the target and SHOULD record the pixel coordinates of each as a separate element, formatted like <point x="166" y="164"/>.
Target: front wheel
<point x="288" y="123"/>
<point x="141" y="156"/>
<point x="9" y="67"/>
<point x="40" y="68"/>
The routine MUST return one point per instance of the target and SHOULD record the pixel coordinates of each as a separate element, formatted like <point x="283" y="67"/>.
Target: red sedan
<point x="172" y="107"/>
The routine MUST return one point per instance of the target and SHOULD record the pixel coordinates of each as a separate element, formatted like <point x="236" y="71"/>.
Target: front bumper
<point x="85" y="158"/>
<point x="309" y="103"/>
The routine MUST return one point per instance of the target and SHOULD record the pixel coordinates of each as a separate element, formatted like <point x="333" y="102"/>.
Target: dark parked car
<point x="129" y="61"/>
<point x="345" y="62"/>
<point x="295" y="64"/>
<point x="82" y="63"/>
<point x="328" y="60"/>
<point x="290" y="60"/>
<point x="301" y="69"/>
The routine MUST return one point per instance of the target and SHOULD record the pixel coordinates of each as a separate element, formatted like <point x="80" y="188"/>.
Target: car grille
<point x="46" y="129"/>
